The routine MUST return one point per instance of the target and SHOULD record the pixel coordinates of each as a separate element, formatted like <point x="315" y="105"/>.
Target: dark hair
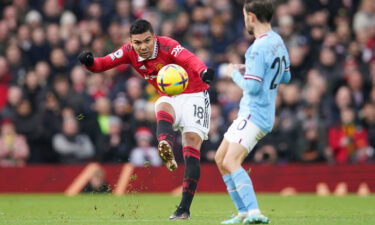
<point x="141" y="26"/>
<point x="263" y="9"/>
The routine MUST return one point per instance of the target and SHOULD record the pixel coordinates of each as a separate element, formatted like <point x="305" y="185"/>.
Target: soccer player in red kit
<point x="189" y="111"/>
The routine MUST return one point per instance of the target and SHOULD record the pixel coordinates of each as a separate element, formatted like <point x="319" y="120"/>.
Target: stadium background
<point x="325" y="117"/>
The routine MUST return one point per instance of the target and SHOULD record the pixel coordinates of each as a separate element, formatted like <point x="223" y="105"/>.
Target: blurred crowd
<point x="53" y="111"/>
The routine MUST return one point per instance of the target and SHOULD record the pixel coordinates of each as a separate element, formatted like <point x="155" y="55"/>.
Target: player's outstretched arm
<point x="100" y="64"/>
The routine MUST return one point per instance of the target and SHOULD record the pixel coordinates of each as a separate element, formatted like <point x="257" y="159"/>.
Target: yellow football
<point x="172" y="79"/>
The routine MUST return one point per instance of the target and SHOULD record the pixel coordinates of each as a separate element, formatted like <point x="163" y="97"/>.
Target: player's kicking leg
<point x="165" y="134"/>
<point x="166" y="154"/>
<point x="191" y="152"/>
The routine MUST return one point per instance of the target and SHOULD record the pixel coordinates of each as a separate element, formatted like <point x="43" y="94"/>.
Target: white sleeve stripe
<point x="248" y="76"/>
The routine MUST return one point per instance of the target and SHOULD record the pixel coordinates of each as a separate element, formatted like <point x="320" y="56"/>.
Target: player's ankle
<point x="253" y="212"/>
<point x="242" y="214"/>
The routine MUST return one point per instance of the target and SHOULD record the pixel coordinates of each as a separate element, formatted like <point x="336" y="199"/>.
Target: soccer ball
<point x="172" y="79"/>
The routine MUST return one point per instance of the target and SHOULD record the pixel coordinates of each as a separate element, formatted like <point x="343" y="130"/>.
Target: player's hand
<point x="86" y="58"/>
<point x="233" y="67"/>
<point x="208" y="75"/>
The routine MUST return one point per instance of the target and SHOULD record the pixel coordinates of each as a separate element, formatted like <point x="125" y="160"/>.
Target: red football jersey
<point x="166" y="51"/>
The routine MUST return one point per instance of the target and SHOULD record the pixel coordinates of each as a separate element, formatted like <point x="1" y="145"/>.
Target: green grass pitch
<point x="155" y="208"/>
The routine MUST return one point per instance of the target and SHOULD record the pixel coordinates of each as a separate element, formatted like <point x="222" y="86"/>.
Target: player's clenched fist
<point x="86" y="58"/>
<point x="208" y="75"/>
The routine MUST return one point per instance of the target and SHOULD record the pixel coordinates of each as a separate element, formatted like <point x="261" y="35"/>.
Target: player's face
<point x="248" y="22"/>
<point x="143" y="44"/>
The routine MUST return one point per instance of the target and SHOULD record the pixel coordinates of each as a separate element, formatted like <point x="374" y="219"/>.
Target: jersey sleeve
<point x="184" y="57"/>
<point x="255" y="64"/>
<point x="248" y="85"/>
<point x="286" y="75"/>
<point x="120" y="56"/>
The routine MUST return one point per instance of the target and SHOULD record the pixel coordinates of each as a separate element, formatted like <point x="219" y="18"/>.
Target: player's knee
<point x="226" y="164"/>
<point x="229" y="163"/>
<point x="192" y="139"/>
<point x="166" y="107"/>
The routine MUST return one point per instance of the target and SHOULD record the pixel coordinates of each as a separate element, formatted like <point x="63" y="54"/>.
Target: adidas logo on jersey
<point x="198" y="122"/>
<point x="143" y="67"/>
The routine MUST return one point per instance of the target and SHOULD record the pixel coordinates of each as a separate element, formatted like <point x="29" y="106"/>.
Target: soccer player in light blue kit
<point x="266" y="66"/>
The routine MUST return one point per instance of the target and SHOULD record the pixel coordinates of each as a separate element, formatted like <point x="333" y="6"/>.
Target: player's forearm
<point x="101" y="64"/>
<point x="238" y="79"/>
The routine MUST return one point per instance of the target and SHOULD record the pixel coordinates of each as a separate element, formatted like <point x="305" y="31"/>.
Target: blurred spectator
<point x="32" y="90"/>
<point x="333" y="105"/>
<point x="5" y="79"/>
<point x="72" y="146"/>
<point x="329" y="68"/>
<point x="311" y="143"/>
<point x="13" y="147"/>
<point x="113" y="147"/>
<point x="65" y="95"/>
<point x="365" y="17"/>
<point x="39" y="50"/>
<point x="348" y="141"/>
<point x="144" y="154"/>
<point x="17" y="65"/>
<point x="368" y="115"/>
<point x="14" y="97"/>
<point x="122" y="107"/>
<point x="43" y="72"/>
<point x="289" y="122"/>
<point x="28" y="123"/>
<point x="99" y="121"/>
<point x="97" y="183"/>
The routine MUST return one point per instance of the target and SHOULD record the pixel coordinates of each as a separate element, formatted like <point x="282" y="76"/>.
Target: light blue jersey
<point x="267" y="65"/>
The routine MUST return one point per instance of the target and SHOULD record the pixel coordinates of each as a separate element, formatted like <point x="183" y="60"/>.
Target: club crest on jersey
<point x="158" y="66"/>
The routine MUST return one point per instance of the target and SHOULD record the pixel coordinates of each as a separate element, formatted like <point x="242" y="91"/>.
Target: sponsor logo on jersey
<point x="177" y="50"/>
<point x="150" y="77"/>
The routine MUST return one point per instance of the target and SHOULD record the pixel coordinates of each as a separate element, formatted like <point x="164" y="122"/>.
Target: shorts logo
<point x="177" y="50"/>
